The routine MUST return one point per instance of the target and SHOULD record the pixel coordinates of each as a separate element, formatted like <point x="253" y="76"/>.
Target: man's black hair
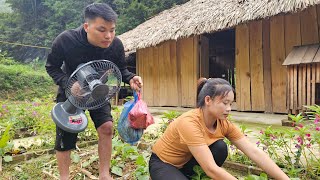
<point x="102" y="10"/>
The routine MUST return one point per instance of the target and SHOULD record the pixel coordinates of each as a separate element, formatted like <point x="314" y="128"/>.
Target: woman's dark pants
<point x="160" y="170"/>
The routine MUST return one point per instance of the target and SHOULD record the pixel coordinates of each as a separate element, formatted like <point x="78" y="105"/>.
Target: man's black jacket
<point x="72" y="48"/>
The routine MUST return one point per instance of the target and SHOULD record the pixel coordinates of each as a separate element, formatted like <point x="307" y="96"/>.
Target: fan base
<point x="70" y="122"/>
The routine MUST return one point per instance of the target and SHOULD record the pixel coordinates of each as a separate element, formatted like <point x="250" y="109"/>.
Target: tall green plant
<point x="5" y="146"/>
<point x="167" y="118"/>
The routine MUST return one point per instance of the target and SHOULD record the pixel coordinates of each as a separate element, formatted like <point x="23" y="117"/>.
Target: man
<point x="94" y="40"/>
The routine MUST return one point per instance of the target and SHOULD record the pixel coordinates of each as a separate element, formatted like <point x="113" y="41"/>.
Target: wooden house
<point x="244" y="41"/>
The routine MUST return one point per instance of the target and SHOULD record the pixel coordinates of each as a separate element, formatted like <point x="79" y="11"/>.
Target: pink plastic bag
<point x="139" y="116"/>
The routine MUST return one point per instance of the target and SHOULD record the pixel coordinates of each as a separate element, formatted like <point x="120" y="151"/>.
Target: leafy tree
<point x="38" y="22"/>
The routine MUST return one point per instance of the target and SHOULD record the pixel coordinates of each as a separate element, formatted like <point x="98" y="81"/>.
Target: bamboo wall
<point x="170" y="71"/>
<point x="261" y="47"/>
<point x="302" y="81"/>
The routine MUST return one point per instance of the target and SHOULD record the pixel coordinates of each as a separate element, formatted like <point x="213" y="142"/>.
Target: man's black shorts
<point x="66" y="141"/>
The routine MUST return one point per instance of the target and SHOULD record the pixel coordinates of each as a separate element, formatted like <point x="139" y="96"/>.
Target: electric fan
<point x="89" y="87"/>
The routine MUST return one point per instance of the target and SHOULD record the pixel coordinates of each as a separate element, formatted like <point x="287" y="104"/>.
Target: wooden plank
<point x="304" y="84"/>
<point x="238" y="43"/>
<point x="179" y="84"/>
<point x="297" y="54"/>
<point x="295" y="88"/>
<point x="242" y="56"/>
<point x="196" y="70"/>
<point x="292" y="32"/>
<point x="318" y="73"/>
<point x="174" y="79"/>
<point x="318" y="18"/>
<point x="278" y="71"/>
<point x="299" y="86"/>
<point x="310" y="54"/>
<point x="291" y="87"/>
<point x="308" y="84"/>
<point x="162" y="75"/>
<point x="317" y="57"/>
<point x="309" y="26"/>
<point x="266" y="65"/>
<point x="148" y="69"/>
<point x="256" y="66"/>
<point x="169" y="92"/>
<point x="186" y="59"/>
<point x="313" y="87"/>
<point x="139" y="62"/>
<point x="300" y="75"/>
<point x="291" y="57"/>
<point x="156" y="77"/>
<point x="140" y="67"/>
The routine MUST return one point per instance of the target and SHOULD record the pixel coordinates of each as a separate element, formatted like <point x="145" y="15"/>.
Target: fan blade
<point x="90" y="100"/>
<point x="104" y="77"/>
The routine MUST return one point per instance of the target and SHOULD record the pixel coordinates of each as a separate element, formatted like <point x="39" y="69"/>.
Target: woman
<point x="196" y="138"/>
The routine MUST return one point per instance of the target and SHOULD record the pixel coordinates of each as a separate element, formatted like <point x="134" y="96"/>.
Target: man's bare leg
<point x="105" y="132"/>
<point x="63" y="159"/>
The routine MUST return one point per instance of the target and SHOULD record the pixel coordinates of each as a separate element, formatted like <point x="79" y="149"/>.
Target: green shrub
<point x="20" y="82"/>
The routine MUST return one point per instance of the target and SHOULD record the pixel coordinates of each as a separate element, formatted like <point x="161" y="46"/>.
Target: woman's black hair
<point x="102" y="10"/>
<point x="212" y="87"/>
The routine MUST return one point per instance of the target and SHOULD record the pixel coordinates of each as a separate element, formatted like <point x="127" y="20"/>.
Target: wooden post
<point x="266" y="65"/>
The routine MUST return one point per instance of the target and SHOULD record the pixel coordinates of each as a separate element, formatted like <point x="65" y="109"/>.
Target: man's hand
<point x="76" y="89"/>
<point x="136" y="83"/>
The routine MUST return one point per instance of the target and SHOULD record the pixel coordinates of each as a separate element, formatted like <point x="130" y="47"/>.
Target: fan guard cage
<point x="107" y="72"/>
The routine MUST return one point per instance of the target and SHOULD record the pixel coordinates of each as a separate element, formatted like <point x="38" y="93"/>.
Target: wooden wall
<point x="170" y="71"/>
<point x="261" y="47"/>
<point x="302" y="81"/>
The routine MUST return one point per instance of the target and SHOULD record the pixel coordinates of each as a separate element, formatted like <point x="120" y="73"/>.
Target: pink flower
<point x="317" y="128"/>
<point x="273" y="137"/>
<point x="297" y="146"/>
<point x="257" y="143"/>
<point x="34" y="113"/>
<point x="300" y="140"/>
<point x="308" y="145"/>
<point x="316" y="121"/>
<point x="261" y="132"/>
<point x="35" y="104"/>
<point x="4" y="106"/>
<point x="308" y="135"/>
<point x="300" y="125"/>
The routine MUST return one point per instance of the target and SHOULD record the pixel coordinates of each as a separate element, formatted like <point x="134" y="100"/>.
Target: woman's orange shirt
<point x="190" y="130"/>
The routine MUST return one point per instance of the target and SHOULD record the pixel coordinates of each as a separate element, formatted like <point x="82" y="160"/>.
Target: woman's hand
<point x="260" y="158"/>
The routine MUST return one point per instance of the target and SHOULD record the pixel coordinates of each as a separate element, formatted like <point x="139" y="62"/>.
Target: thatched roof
<point x="205" y="16"/>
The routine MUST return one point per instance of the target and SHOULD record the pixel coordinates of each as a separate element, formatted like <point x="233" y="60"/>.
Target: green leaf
<point x="264" y="176"/>
<point x="133" y="157"/>
<point x="117" y="170"/>
<point x="140" y="161"/>
<point x="5" y="137"/>
<point x="198" y="170"/>
<point x="85" y="164"/>
<point x="75" y="158"/>
<point x="7" y="158"/>
<point x="143" y="177"/>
